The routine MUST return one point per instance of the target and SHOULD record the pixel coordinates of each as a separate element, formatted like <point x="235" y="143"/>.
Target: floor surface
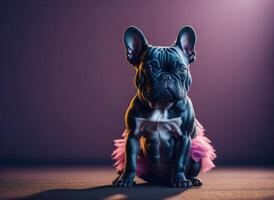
<point x="95" y="183"/>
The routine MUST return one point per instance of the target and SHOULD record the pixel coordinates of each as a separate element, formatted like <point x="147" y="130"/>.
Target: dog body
<point x="160" y="132"/>
<point x="160" y="120"/>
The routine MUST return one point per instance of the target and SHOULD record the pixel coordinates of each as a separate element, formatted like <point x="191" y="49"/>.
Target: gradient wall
<point x="65" y="82"/>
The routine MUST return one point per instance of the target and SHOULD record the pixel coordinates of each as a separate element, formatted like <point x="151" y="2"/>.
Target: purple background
<point x="65" y="82"/>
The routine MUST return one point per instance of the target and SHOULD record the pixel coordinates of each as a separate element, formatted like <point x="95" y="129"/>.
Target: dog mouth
<point x="160" y="105"/>
<point x="163" y="96"/>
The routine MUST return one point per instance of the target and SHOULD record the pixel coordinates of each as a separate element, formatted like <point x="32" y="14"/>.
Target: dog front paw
<point x="180" y="181"/>
<point x="196" y="182"/>
<point x="124" y="180"/>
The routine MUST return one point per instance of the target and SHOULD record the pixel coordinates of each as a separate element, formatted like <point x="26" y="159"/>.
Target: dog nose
<point x="166" y="78"/>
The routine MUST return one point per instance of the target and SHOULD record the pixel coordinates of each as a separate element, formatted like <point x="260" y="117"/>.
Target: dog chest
<point x="157" y="135"/>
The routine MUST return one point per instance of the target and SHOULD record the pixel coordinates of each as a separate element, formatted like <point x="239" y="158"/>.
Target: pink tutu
<point x="200" y="150"/>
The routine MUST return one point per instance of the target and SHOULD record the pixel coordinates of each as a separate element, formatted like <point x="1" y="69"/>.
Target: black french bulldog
<point x="160" y="120"/>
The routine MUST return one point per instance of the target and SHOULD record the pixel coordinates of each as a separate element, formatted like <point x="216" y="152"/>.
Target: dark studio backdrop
<point x="65" y="82"/>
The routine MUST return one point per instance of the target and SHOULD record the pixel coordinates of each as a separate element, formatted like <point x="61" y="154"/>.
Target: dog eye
<point x="183" y="69"/>
<point x="179" y="65"/>
<point x="151" y="67"/>
<point x="180" y="68"/>
<point x="154" y="64"/>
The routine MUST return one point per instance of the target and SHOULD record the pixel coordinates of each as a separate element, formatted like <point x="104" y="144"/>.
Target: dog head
<point x="162" y="73"/>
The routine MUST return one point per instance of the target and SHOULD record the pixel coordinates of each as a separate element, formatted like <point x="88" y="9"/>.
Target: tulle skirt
<point x="201" y="151"/>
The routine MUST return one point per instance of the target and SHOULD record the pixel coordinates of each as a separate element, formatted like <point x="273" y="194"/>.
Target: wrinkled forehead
<point x="165" y="55"/>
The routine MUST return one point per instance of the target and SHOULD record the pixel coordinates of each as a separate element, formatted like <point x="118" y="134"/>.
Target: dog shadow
<point x="107" y="192"/>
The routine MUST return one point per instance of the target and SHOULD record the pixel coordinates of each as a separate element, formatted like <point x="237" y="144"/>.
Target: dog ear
<point x="135" y="43"/>
<point x="186" y="42"/>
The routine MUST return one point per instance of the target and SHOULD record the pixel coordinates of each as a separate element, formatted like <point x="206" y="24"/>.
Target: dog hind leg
<point x="192" y="172"/>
